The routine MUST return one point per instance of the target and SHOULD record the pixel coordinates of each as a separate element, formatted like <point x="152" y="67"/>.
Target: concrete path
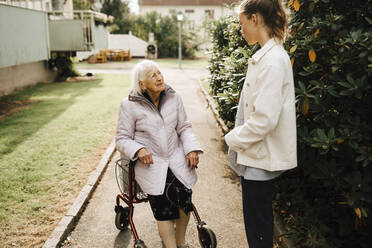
<point x="217" y="195"/>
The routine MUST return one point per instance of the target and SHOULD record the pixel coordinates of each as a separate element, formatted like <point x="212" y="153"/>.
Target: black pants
<point x="258" y="212"/>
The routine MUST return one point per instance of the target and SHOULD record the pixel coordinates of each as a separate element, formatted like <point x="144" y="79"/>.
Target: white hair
<point x="139" y="74"/>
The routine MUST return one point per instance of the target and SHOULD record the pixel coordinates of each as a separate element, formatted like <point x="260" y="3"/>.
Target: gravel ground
<point x="217" y="195"/>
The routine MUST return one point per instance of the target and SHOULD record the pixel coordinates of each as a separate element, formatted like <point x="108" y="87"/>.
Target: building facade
<point x="30" y="37"/>
<point x="196" y="12"/>
<point x="45" y="5"/>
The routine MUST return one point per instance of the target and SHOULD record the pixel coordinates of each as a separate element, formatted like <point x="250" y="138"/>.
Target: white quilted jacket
<point x="167" y="135"/>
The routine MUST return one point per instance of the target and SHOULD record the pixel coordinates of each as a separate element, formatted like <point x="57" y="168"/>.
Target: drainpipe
<point x="47" y="38"/>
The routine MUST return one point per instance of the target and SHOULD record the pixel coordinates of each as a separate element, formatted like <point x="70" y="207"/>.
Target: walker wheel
<point x="139" y="244"/>
<point x="122" y="217"/>
<point x="207" y="238"/>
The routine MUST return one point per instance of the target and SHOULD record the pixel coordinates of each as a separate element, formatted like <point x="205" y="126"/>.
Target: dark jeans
<point x="258" y="212"/>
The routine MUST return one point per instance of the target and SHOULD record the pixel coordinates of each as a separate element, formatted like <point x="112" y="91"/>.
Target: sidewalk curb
<point x="279" y="231"/>
<point x="67" y="223"/>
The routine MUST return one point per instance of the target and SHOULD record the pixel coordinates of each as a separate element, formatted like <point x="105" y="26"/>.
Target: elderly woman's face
<point x="154" y="81"/>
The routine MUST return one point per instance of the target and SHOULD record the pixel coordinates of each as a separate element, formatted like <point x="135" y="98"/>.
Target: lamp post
<point x="179" y="19"/>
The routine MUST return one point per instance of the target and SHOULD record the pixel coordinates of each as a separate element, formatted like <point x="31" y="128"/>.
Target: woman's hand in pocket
<point x="145" y="157"/>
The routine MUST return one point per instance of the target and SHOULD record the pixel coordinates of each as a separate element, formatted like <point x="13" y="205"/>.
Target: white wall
<point x="16" y="77"/>
<point x="68" y="9"/>
<point x="23" y="36"/>
<point x="137" y="46"/>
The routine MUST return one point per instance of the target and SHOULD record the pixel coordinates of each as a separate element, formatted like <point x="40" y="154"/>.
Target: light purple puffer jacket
<point x="167" y="135"/>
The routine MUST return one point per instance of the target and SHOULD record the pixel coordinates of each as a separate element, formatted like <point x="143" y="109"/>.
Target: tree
<point x="81" y="4"/>
<point x="165" y="29"/>
<point x="116" y="8"/>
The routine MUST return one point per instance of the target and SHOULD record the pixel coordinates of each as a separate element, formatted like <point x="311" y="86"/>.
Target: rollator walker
<point x="132" y="194"/>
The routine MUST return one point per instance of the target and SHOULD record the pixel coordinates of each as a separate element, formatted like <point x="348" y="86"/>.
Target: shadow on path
<point x="123" y="238"/>
<point x="54" y="99"/>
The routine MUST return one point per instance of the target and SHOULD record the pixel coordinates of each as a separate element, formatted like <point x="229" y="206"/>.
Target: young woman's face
<point x="154" y="81"/>
<point x="248" y="28"/>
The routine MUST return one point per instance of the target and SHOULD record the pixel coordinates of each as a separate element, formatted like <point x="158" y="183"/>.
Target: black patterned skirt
<point x="176" y="196"/>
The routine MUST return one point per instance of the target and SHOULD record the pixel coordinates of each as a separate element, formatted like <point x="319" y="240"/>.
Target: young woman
<point x="263" y="142"/>
<point x="154" y="130"/>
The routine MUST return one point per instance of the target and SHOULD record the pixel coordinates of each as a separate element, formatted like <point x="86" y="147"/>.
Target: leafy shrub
<point x="329" y="43"/>
<point x="227" y="65"/>
<point x="327" y="200"/>
<point x="64" y="66"/>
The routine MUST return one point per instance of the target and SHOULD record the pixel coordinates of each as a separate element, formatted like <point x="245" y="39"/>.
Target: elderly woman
<point x="153" y="129"/>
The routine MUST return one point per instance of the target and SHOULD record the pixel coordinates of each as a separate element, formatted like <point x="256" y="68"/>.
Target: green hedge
<point x="327" y="200"/>
<point x="227" y="65"/>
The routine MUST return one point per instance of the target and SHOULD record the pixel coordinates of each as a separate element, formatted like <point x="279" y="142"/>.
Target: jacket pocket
<point x="262" y="151"/>
<point x="257" y="150"/>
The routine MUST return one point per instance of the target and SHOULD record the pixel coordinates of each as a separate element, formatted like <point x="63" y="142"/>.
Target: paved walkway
<point x="216" y="195"/>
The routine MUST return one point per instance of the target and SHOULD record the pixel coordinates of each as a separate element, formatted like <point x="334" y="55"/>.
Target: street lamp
<point x="179" y="19"/>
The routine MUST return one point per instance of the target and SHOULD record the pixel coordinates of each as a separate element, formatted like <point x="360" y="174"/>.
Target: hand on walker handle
<point x="192" y="159"/>
<point x="145" y="157"/>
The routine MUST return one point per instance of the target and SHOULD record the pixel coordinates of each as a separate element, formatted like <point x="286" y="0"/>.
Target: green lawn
<point x="41" y="147"/>
<point x="169" y="63"/>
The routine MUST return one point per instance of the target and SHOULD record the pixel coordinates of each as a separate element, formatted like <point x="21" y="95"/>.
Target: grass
<point x="169" y="63"/>
<point x="42" y="147"/>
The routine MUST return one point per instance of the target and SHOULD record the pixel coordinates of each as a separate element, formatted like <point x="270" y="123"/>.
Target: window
<point x="191" y="25"/>
<point x="209" y="13"/>
<point x="189" y="11"/>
